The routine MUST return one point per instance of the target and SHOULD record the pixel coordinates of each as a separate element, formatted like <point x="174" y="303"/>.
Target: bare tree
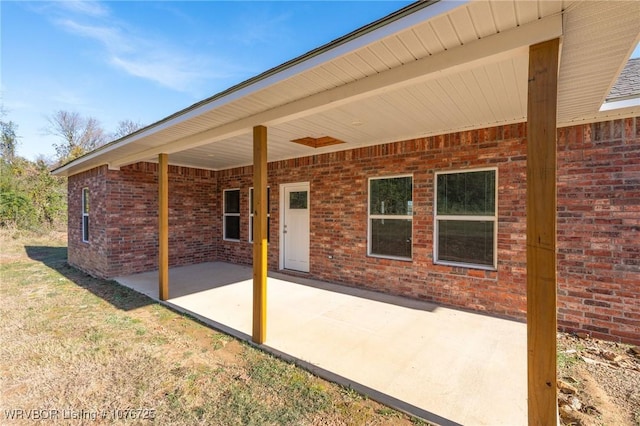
<point x="8" y="137"/>
<point x="9" y="140"/>
<point x="79" y="134"/>
<point x="126" y="127"/>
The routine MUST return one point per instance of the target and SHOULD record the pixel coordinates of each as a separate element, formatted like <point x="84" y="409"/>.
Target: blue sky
<point x="145" y="60"/>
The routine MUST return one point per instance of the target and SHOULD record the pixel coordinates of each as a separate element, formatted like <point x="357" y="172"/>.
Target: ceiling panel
<point x="427" y="108"/>
<point x="399" y="50"/>
<point x="504" y="15"/>
<point x="372" y="59"/>
<point x="411" y="40"/>
<point x="446" y="34"/>
<point x="353" y="71"/>
<point x="513" y="74"/>
<point x="428" y="38"/>
<point x="482" y="17"/>
<point x="526" y="11"/>
<point x="552" y="7"/>
<point x="361" y="65"/>
<point x="464" y="27"/>
<point x="384" y="55"/>
<point x="455" y="87"/>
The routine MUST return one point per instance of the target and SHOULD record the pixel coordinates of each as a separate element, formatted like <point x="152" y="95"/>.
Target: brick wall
<point x="92" y="257"/>
<point x="598" y="221"/>
<point x="133" y="219"/>
<point x="338" y="206"/>
<point x="599" y="229"/>
<point x="124" y="236"/>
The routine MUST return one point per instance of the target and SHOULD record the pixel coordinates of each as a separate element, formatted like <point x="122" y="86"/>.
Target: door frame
<point x="282" y="206"/>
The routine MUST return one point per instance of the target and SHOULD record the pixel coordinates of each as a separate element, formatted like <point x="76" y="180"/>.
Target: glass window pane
<point x="391" y="237"/>
<point x="85" y="228"/>
<point x="298" y="200"/>
<point x="467" y="193"/>
<point x="268" y="228"/>
<point x="85" y="200"/>
<point x="391" y="196"/>
<point x="232" y="227"/>
<point x="251" y="200"/>
<point x="232" y="201"/>
<point x="466" y="241"/>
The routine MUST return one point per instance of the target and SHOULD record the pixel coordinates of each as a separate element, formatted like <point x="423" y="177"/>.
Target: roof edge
<point x="370" y="28"/>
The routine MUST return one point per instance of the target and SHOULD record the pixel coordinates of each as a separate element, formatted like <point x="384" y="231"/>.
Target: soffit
<point x="484" y="96"/>
<point x="597" y="36"/>
<point x="598" y="39"/>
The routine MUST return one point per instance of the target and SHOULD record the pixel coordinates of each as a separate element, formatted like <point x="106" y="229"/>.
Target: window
<point x="251" y="214"/>
<point x="298" y="200"/>
<point x="85" y="215"/>
<point x="466" y="218"/>
<point x="231" y="220"/>
<point x="391" y="217"/>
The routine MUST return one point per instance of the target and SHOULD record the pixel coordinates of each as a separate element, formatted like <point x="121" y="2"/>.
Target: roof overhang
<point x="431" y="68"/>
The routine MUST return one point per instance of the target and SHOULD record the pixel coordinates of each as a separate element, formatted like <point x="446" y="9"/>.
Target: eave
<point x="431" y="68"/>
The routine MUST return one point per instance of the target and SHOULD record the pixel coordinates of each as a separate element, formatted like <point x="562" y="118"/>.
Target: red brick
<point x="598" y="205"/>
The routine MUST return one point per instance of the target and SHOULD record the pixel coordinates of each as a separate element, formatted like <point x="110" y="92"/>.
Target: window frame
<point x="251" y="214"/>
<point x="225" y="215"/>
<point x="371" y="217"/>
<point x="465" y="218"/>
<point x="86" y="205"/>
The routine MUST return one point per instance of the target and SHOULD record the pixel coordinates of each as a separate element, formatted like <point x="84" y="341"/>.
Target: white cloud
<point x="111" y="37"/>
<point x="143" y="56"/>
<point x="172" y="75"/>
<point x="88" y="8"/>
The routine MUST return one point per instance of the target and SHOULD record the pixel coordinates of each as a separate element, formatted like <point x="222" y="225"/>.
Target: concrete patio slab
<point x="445" y="365"/>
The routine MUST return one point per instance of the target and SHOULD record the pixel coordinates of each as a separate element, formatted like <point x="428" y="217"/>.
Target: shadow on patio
<point x="444" y="365"/>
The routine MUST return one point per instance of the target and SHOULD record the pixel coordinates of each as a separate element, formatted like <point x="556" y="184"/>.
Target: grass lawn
<point x="76" y="348"/>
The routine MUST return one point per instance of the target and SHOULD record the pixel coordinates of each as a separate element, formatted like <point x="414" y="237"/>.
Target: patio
<point x="444" y="365"/>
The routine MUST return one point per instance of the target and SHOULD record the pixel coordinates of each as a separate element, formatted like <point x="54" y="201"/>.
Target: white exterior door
<point x="295" y="226"/>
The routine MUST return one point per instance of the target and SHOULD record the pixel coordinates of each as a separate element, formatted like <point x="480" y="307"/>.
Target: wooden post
<point x="541" y="233"/>
<point x="259" y="234"/>
<point x="163" y="223"/>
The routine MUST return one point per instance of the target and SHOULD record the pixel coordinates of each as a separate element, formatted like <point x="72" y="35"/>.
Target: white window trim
<point x="379" y="216"/>
<point x="225" y="214"/>
<point x="251" y="214"/>
<point x="493" y="219"/>
<point x="85" y="190"/>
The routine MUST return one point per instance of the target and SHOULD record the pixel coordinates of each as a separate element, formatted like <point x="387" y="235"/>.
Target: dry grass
<point x="82" y="347"/>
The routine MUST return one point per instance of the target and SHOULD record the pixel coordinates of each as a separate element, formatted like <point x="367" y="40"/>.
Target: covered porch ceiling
<point x="430" y="68"/>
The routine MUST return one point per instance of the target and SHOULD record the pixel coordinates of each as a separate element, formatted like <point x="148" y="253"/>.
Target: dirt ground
<point x="598" y="381"/>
